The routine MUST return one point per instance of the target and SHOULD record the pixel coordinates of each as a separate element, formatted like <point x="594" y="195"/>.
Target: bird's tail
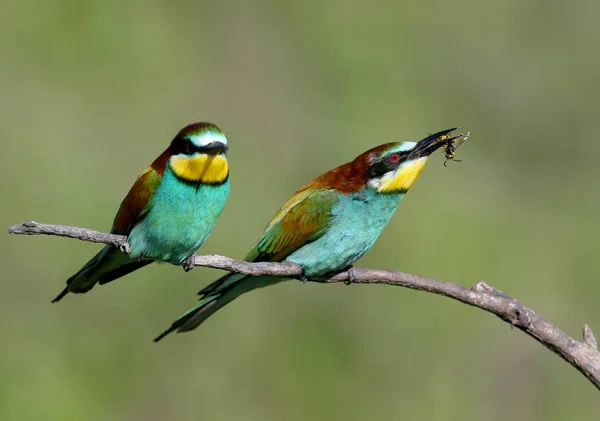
<point x="216" y="295"/>
<point x="109" y="264"/>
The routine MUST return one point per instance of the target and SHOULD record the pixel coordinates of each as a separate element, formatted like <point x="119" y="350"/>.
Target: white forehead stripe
<point x="406" y="146"/>
<point x="207" y="138"/>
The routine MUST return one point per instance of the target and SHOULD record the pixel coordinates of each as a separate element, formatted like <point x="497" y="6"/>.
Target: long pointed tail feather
<point x="83" y="275"/>
<point x="61" y="295"/>
<point x="183" y="323"/>
<point x="109" y="264"/>
<point x="226" y="291"/>
<point x="220" y="283"/>
<point x="127" y="268"/>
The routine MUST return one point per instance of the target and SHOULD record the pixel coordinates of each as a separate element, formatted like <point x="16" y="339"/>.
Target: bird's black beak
<point x="432" y="143"/>
<point x="214" y="148"/>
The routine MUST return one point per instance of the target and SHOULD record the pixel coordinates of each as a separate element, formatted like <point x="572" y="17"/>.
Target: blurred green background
<point x="93" y="91"/>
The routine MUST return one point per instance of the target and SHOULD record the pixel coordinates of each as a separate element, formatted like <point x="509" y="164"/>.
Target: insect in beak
<point x="452" y="143"/>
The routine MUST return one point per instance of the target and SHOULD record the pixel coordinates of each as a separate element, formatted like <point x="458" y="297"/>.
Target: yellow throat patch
<point x="403" y="178"/>
<point x="208" y="169"/>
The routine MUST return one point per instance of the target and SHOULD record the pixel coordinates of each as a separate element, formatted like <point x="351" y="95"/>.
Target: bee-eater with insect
<point x="328" y="224"/>
<point x="170" y="210"/>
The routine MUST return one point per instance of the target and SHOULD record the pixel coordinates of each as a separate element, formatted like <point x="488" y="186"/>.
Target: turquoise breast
<point x="357" y="220"/>
<point x="180" y="219"/>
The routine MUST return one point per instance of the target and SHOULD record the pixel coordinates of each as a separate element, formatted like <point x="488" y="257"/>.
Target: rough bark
<point x="583" y="355"/>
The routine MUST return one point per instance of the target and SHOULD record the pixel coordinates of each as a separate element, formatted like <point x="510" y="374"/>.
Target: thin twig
<point x="584" y="355"/>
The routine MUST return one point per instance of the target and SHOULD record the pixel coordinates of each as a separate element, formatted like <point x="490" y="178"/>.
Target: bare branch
<point x="584" y="356"/>
<point x="84" y="234"/>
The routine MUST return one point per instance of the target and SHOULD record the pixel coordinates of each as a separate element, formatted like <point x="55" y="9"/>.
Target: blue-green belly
<point x="357" y="220"/>
<point x="180" y="219"/>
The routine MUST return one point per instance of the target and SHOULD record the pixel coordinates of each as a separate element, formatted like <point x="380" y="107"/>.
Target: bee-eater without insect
<point x="170" y="210"/>
<point x="328" y="224"/>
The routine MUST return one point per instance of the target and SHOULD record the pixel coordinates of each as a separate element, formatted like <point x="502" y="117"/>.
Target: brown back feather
<point x="351" y="176"/>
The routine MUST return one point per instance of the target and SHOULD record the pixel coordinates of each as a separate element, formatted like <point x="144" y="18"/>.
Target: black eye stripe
<point x="184" y="146"/>
<point x="386" y="164"/>
<point x="402" y="154"/>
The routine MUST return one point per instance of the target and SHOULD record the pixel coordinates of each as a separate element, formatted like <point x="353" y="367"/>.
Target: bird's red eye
<point x="394" y="157"/>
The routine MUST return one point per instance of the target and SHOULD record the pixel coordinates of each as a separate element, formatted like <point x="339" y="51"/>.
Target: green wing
<point x="304" y="218"/>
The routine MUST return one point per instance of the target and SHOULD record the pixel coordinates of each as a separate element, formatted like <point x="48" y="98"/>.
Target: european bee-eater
<point x="328" y="224"/>
<point x="170" y="210"/>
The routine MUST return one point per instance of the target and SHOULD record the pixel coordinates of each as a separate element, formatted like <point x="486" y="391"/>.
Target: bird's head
<point x="388" y="168"/>
<point x="198" y="154"/>
<point x="394" y="167"/>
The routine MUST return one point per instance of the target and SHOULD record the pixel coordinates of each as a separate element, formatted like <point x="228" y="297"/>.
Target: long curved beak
<point x="432" y="143"/>
<point x="214" y="148"/>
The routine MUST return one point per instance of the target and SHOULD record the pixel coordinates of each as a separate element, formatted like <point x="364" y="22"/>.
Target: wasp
<point x="452" y="143"/>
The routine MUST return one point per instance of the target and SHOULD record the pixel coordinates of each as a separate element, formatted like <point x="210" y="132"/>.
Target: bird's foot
<point x="351" y="275"/>
<point x="189" y="263"/>
<point x="303" y="278"/>
<point x="124" y="247"/>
